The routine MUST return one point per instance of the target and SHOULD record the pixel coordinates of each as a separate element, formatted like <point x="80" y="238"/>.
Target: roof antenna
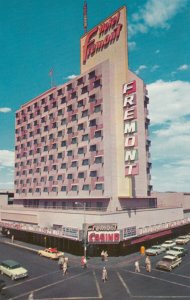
<point x="85" y="17"/>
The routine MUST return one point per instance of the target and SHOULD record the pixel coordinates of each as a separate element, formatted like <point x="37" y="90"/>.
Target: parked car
<point x="182" y="240"/>
<point x="155" y="250"/>
<point x="177" y="251"/>
<point x="168" y="262"/>
<point x="168" y="244"/>
<point x="52" y="253"/>
<point x="2" y="284"/>
<point x="13" y="269"/>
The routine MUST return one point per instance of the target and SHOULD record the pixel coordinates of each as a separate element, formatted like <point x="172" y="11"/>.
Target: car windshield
<point x="168" y="242"/>
<point x="177" y="249"/>
<point x="155" y="247"/>
<point x="167" y="259"/>
<point x="11" y="266"/>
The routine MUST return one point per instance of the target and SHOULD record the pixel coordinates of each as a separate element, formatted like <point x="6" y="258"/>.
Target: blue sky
<point x="37" y="35"/>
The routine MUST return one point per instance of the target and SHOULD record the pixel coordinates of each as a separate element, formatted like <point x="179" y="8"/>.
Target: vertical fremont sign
<point x="130" y="128"/>
<point x="102" y="36"/>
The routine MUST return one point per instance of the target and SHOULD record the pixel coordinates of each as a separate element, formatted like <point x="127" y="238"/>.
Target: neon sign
<point x="102" y="36"/>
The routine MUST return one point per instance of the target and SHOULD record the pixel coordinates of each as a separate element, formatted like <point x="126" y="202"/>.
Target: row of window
<point x="64" y="188"/>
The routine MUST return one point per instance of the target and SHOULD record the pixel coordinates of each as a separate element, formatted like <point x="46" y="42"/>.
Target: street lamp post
<point x="84" y="227"/>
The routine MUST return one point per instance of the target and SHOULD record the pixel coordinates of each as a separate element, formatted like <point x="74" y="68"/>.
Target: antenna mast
<point x="85" y="16"/>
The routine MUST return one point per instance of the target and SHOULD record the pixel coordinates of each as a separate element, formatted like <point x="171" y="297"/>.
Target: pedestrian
<point x="106" y="256"/>
<point x="84" y="262"/>
<point x="148" y="264"/>
<point x="12" y="238"/>
<point x="60" y="262"/>
<point x="64" y="267"/>
<point x="103" y="255"/>
<point x="137" y="267"/>
<point x="31" y="296"/>
<point x="104" y="274"/>
<point x="67" y="261"/>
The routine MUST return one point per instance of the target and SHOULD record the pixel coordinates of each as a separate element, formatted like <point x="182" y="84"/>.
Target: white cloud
<point x="183" y="68"/>
<point x="168" y="100"/>
<point x="5" y="109"/>
<point x="155" y="14"/>
<point x="140" y="68"/>
<point x="131" y="45"/>
<point x="71" y="76"/>
<point x="170" y="150"/>
<point x="7" y="158"/>
<point x="154" y="68"/>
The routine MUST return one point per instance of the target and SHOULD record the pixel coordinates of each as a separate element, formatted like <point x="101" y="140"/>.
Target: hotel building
<point x="82" y="160"/>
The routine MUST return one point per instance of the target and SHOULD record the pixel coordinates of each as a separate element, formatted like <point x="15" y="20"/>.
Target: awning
<point x="151" y="236"/>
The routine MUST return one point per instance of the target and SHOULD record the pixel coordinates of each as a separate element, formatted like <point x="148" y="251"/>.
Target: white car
<point x="52" y="253"/>
<point x="182" y="240"/>
<point x="168" y="244"/>
<point x="168" y="262"/>
<point x="13" y="269"/>
<point x="155" y="250"/>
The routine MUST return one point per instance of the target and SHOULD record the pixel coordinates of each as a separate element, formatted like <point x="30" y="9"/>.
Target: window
<point x="42" y="179"/>
<point x="81" y="126"/>
<point x="85" y="162"/>
<point x="63" y="143"/>
<point x="98" y="160"/>
<point x="50" y="178"/>
<point x="63" y="205"/>
<point x="59" y="92"/>
<point x="54" y="189"/>
<point x="92" y="148"/>
<point x="46" y="108"/>
<point x="92" y="98"/>
<point x="74" y="140"/>
<point x="99" y="205"/>
<point x="64" y="121"/>
<point x="51" y="157"/>
<point x="63" y="100"/>
<point x="43" y="101"/>
<point x="69" y="107"/>
<point x="59" y="155"/>
<point x="92" y="123"/>
<point x="45" y="148"/>
<point x="30" y="190"/>
<point x="80" y="81"/>
<point x="81" y="175"/>
<point x="43" y="159"/>
<point x="74" y="117"/>
<point x="80" y="150"/>
<point x="63" y="166"/>
<point x="54" y="167"/>
<point x="31" y="116"/>
<point x="69" y="153"/>
<point x="85" y="137"/>
<point x="97" y="134"/>
<point x="69" y="87"/>
<point x="38" y="170"/>
<point x="92" y="74"/>
<point x="45" y="190"/>
<point x="97" y="83"/>
<point x="85" y="113"/>
<point x="59" y="177"/>
<point x="38" y="131"/>
<point x="69" y="176"/>
<point x="45" y="168"/>
<point x="30" y="171"/>
<point x="97" y="108"/>
<point x="59" y="112"/>
<point x="51" y="116"/>
<point x="99" y="186"/>
<point x="74" y="163"/>
<point x="35" y="123"/>
<point x="43" y="139"/>
<point x="38" y="190"/>
<point x="51" y="97"/>
<point x="73" y="95"/>
<point x="54" y="125"/>
<point x="54" y="104"/>
<point x="86" y="187"/>
<point x="74" y="188"/>
<point x="63" y="188"/>
<point x="93" y="174"/>
<point x="54" y="146"/>
<point x="80" y="103"/>
<point x="69" y="130"/>
<point x="46" y="128"/>
<point x="59" y="133"/>
<point x="84" y="89"/>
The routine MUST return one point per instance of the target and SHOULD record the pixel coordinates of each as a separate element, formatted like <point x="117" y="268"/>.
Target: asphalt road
<point x="47" y="281"/>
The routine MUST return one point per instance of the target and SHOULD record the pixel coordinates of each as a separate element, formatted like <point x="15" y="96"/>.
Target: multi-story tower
<point x="87" y="140"/>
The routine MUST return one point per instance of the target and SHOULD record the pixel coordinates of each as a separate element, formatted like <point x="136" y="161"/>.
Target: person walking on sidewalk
<point x="148" y="264"/>
<point x="64" y="267"/>
<point x="104" y="275"/>
<point x="60" y="262"/>
<point x="137" y="267"/>
<point x="84" y="262"/>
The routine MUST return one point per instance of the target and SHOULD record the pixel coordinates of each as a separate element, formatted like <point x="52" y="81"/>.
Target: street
<point x="46" y="281"/>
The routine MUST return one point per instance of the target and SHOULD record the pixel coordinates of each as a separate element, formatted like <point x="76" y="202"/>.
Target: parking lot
<point x="46" y="281"/>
